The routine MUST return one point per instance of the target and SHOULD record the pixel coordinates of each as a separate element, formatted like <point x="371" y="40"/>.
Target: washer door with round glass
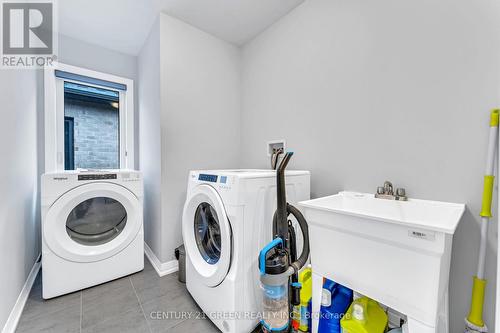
<point x="207" y="234"/>
<point x="93" y="222"/>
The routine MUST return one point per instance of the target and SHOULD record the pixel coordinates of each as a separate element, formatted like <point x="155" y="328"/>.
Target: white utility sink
<point x="396" y="252"/>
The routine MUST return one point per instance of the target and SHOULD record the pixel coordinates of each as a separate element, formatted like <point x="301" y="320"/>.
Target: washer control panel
<point x="208" y="178"/>
<point x="218" y="181"/>
<point x="203" y="177"/>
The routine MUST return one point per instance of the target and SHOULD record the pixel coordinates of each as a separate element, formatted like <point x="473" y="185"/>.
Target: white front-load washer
<point x="92" y="228"/>
<point x="227" y="220"/>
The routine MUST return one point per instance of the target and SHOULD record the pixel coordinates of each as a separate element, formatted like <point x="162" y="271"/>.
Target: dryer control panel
<point x="97" y="176"/>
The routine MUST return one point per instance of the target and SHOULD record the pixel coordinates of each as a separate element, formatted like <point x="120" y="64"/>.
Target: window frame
<point x="54" y="115"/>
<point x="69" y="121"/>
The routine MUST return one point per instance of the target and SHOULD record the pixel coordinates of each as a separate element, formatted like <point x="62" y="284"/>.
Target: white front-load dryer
<point x="92" y="228"/>
<point x="227" y="220"/>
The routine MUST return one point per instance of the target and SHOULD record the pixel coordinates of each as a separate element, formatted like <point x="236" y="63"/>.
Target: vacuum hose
<point x="302" y="259"/>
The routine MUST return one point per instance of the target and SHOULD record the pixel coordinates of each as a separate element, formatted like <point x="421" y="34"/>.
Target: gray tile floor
<point x="136" y="303"/>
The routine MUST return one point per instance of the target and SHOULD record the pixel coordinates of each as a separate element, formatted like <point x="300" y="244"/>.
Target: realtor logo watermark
<point x="28" y="34"/>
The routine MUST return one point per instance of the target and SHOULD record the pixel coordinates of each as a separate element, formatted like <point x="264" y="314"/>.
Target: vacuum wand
<point x="282" y="215"/>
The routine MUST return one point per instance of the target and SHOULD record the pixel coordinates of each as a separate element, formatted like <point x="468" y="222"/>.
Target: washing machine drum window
<point x="96" y="221"/>
<point x="207" y="233"/>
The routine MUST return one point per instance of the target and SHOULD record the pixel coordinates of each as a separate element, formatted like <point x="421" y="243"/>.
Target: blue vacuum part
<point x="274" y="292"/>
<point x="269" y="329"/>
<point x="262" y="255"/>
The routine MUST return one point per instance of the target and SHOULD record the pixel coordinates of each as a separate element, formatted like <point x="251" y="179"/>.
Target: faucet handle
<point x="380" y="190"/>
<point x="400" y="192"/>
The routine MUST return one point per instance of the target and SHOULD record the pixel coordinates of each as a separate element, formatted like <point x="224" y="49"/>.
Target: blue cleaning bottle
<point x="309" y="314"/>
<point x="335" y="301"/>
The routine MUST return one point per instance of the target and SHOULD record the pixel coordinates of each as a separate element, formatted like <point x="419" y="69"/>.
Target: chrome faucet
<point x="388" y="188"/>
<point x="387" y="192"/>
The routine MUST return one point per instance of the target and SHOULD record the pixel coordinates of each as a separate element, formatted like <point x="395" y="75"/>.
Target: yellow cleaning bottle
<point x="300" y="312"/>
<point x="305" y="277"/>
<point x="364" y="316"/>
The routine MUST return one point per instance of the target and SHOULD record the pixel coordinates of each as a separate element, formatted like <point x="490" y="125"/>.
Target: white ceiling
<point x="236" y="21"/>
<point x="123" y="25"/>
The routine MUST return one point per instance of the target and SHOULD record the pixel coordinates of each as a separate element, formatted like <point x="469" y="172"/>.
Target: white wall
<point x="82" y="54"/>
<point x="20" y="108"/>
<point x="78" y="53"/>
<point x="149" y="132"/>
<point x="365" y="91"/>
<point x="200" y="117"/>
<point x="200" y="94"/>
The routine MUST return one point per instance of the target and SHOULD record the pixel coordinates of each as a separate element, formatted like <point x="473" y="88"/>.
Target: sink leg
<point x="444" y="314"/>
<point x="442" y="325"/>
<point x="415" y="326"/>
<point x="317" y="285"/>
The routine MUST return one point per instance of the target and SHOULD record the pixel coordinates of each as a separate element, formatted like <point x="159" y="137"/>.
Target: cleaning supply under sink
<point x="309" y="311"/>
<point x="335" y="301"/>
<point x="364" y="316"/>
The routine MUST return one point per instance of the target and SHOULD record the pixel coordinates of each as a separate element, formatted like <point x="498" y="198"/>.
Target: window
<point x="93" y="142"/>
<point x="88" y="120"/>
<point x="69" y="145"/>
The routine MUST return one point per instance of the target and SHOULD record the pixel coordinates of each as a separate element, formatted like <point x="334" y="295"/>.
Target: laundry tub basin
<point x="395" y="252"/>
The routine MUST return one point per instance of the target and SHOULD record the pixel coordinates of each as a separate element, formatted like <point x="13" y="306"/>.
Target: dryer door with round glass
<point x="207" y="234"/>
<point x="93" y="222"/>
<point x="96" y="221"/>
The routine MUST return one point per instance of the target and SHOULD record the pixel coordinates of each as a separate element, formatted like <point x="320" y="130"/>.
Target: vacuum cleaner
<point x="279" y="264"/>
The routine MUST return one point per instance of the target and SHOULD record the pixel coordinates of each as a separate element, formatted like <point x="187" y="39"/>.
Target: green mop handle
<point x="479" y="286"/>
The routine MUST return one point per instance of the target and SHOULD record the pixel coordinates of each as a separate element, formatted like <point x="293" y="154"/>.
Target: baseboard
<point x="17" y="311"/>
<point x="161" y="268"/>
